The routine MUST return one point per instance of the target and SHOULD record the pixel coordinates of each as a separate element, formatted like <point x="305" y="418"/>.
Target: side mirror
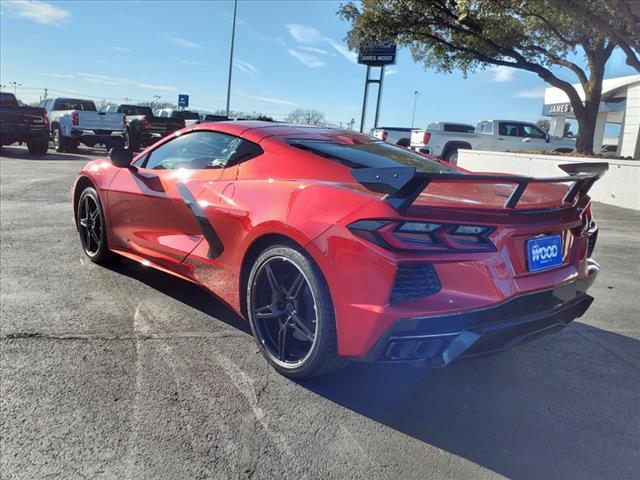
<point x="121" y="157"/>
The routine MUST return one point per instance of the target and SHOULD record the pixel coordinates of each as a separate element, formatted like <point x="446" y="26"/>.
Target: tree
<point x="310" y="117"/>
<point x="158" y="105"/>
<point x="620" y="19"/>
<point x="531" y="35"/>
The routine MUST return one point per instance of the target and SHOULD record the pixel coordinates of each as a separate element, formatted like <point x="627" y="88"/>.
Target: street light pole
<point x="415" y="100"/>
<point x="15" y="87"/>
<point x="233" y="36"/>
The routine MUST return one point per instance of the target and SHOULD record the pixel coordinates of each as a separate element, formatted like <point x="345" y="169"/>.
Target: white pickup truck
<point x="394" y="135"/>
<point x="75" y="121"/>
<point x="497" y="135"/>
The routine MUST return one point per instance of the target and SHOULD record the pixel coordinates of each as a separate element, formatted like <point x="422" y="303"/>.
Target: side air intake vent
<point x="414" y="280"/>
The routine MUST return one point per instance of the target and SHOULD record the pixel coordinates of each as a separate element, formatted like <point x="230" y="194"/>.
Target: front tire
<point x="291" y="313"/>
<point x="131" y="141"/>
<point x="92" y="227"/>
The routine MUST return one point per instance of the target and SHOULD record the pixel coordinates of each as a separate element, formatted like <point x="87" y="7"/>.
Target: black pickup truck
<point x="23" y="124"/>
<point x="143" y="128"/>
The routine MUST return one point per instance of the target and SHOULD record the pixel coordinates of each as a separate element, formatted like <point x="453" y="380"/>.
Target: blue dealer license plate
<point x="544" y="252"/>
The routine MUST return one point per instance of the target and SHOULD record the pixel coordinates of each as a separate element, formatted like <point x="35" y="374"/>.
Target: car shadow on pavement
<point x="23" y="154"/>
<point x="181" y="290"/>
<point x="566" y="406"/>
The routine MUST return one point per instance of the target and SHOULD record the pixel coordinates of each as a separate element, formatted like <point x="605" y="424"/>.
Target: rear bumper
<point x="22" y="133"/>
<point x="92" y="137"/>
<point x="424" y="150"/>
<point x="439" y="340"/>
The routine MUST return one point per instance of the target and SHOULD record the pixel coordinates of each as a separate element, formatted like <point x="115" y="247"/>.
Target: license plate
<point x="544" y="252"/>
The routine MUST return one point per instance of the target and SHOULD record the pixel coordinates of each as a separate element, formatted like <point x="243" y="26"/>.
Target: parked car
<point x="189" y="117"/>
<point x="337" y="246"/>
<point x="143" y="127"/>
<point x="444" y="141"/>
<point x="74" y="121"/>
<point x="394" y="135"/>
<point x="23" y="124"/>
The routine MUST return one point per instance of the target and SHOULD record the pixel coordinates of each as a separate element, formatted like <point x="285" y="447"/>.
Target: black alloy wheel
<point x="285" y="311"/>
<point x="91" y="226"/>
<point x="291" y="313"/>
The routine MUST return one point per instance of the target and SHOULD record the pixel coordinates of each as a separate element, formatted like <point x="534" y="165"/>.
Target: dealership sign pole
<point x="375" y="55"/>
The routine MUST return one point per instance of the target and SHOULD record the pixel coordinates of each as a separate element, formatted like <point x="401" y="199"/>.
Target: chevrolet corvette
<point x="336" y="246"/>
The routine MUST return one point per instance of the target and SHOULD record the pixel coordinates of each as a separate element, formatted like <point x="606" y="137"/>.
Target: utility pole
<point x="46" y="92"/>
<point x="233" y="37"/>
<point x="15" y="87"/>
<point x="415" y="100"/>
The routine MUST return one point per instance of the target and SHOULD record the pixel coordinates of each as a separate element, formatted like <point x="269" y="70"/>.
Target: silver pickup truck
<point x="445" y="139"/>
<point x="75" y="121"/>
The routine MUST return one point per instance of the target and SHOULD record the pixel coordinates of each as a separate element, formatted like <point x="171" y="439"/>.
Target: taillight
<point x="586" y="222"/>
<point x="426" y="138"/>
<point x="385" y="135"/>
<point x="425" y="236"/>
<point x="74" y="118"/>
<point x="45" y="118"/>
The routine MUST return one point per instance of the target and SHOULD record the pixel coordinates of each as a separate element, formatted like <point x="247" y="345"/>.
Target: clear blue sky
<point x="289" y="54"/>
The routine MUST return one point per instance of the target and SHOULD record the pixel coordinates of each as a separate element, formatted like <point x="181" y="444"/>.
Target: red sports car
<point x="337" y="246"/>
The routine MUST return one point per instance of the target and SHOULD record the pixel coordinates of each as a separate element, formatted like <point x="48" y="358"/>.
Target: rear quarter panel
<point x="265" y="197"/>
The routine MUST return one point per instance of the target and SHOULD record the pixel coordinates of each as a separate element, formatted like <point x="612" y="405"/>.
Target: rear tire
<point x="38" y="146"/>
<point x="291" y="313"/>
<point x="58" y="140"/>
<point x="131" y="142"/>
<point x="92" y="227"/>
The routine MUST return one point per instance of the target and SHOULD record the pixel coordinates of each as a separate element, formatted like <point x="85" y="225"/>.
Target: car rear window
<point x="71" y="104"/>
<point x="136" y="110"/>
<point x="8" y="100"/>
<point x="184" y="115"/>
<point x="371" y="154"/>
<point x="454" y="127"/>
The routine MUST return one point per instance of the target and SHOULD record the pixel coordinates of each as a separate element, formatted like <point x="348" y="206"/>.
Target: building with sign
<point x="620" y="105"/>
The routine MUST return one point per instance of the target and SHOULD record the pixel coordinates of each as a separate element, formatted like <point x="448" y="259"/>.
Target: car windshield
<point x="372" y="154"/>
<point x="184" y="115"/>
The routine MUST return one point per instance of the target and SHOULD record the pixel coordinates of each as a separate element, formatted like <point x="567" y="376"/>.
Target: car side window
<point x="511" y="130"/>
<point x="532" y="131"/>
<point x="200" y="150"/>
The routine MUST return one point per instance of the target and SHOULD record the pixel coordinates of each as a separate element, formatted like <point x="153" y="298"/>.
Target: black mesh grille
<point x="414" y="280"/>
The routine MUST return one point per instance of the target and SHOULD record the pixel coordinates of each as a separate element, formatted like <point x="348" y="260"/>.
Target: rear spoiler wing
<point x="402" y="185"/>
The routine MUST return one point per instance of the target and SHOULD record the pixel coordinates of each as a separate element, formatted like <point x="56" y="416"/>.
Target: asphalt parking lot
<point x="129" y="373"/>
